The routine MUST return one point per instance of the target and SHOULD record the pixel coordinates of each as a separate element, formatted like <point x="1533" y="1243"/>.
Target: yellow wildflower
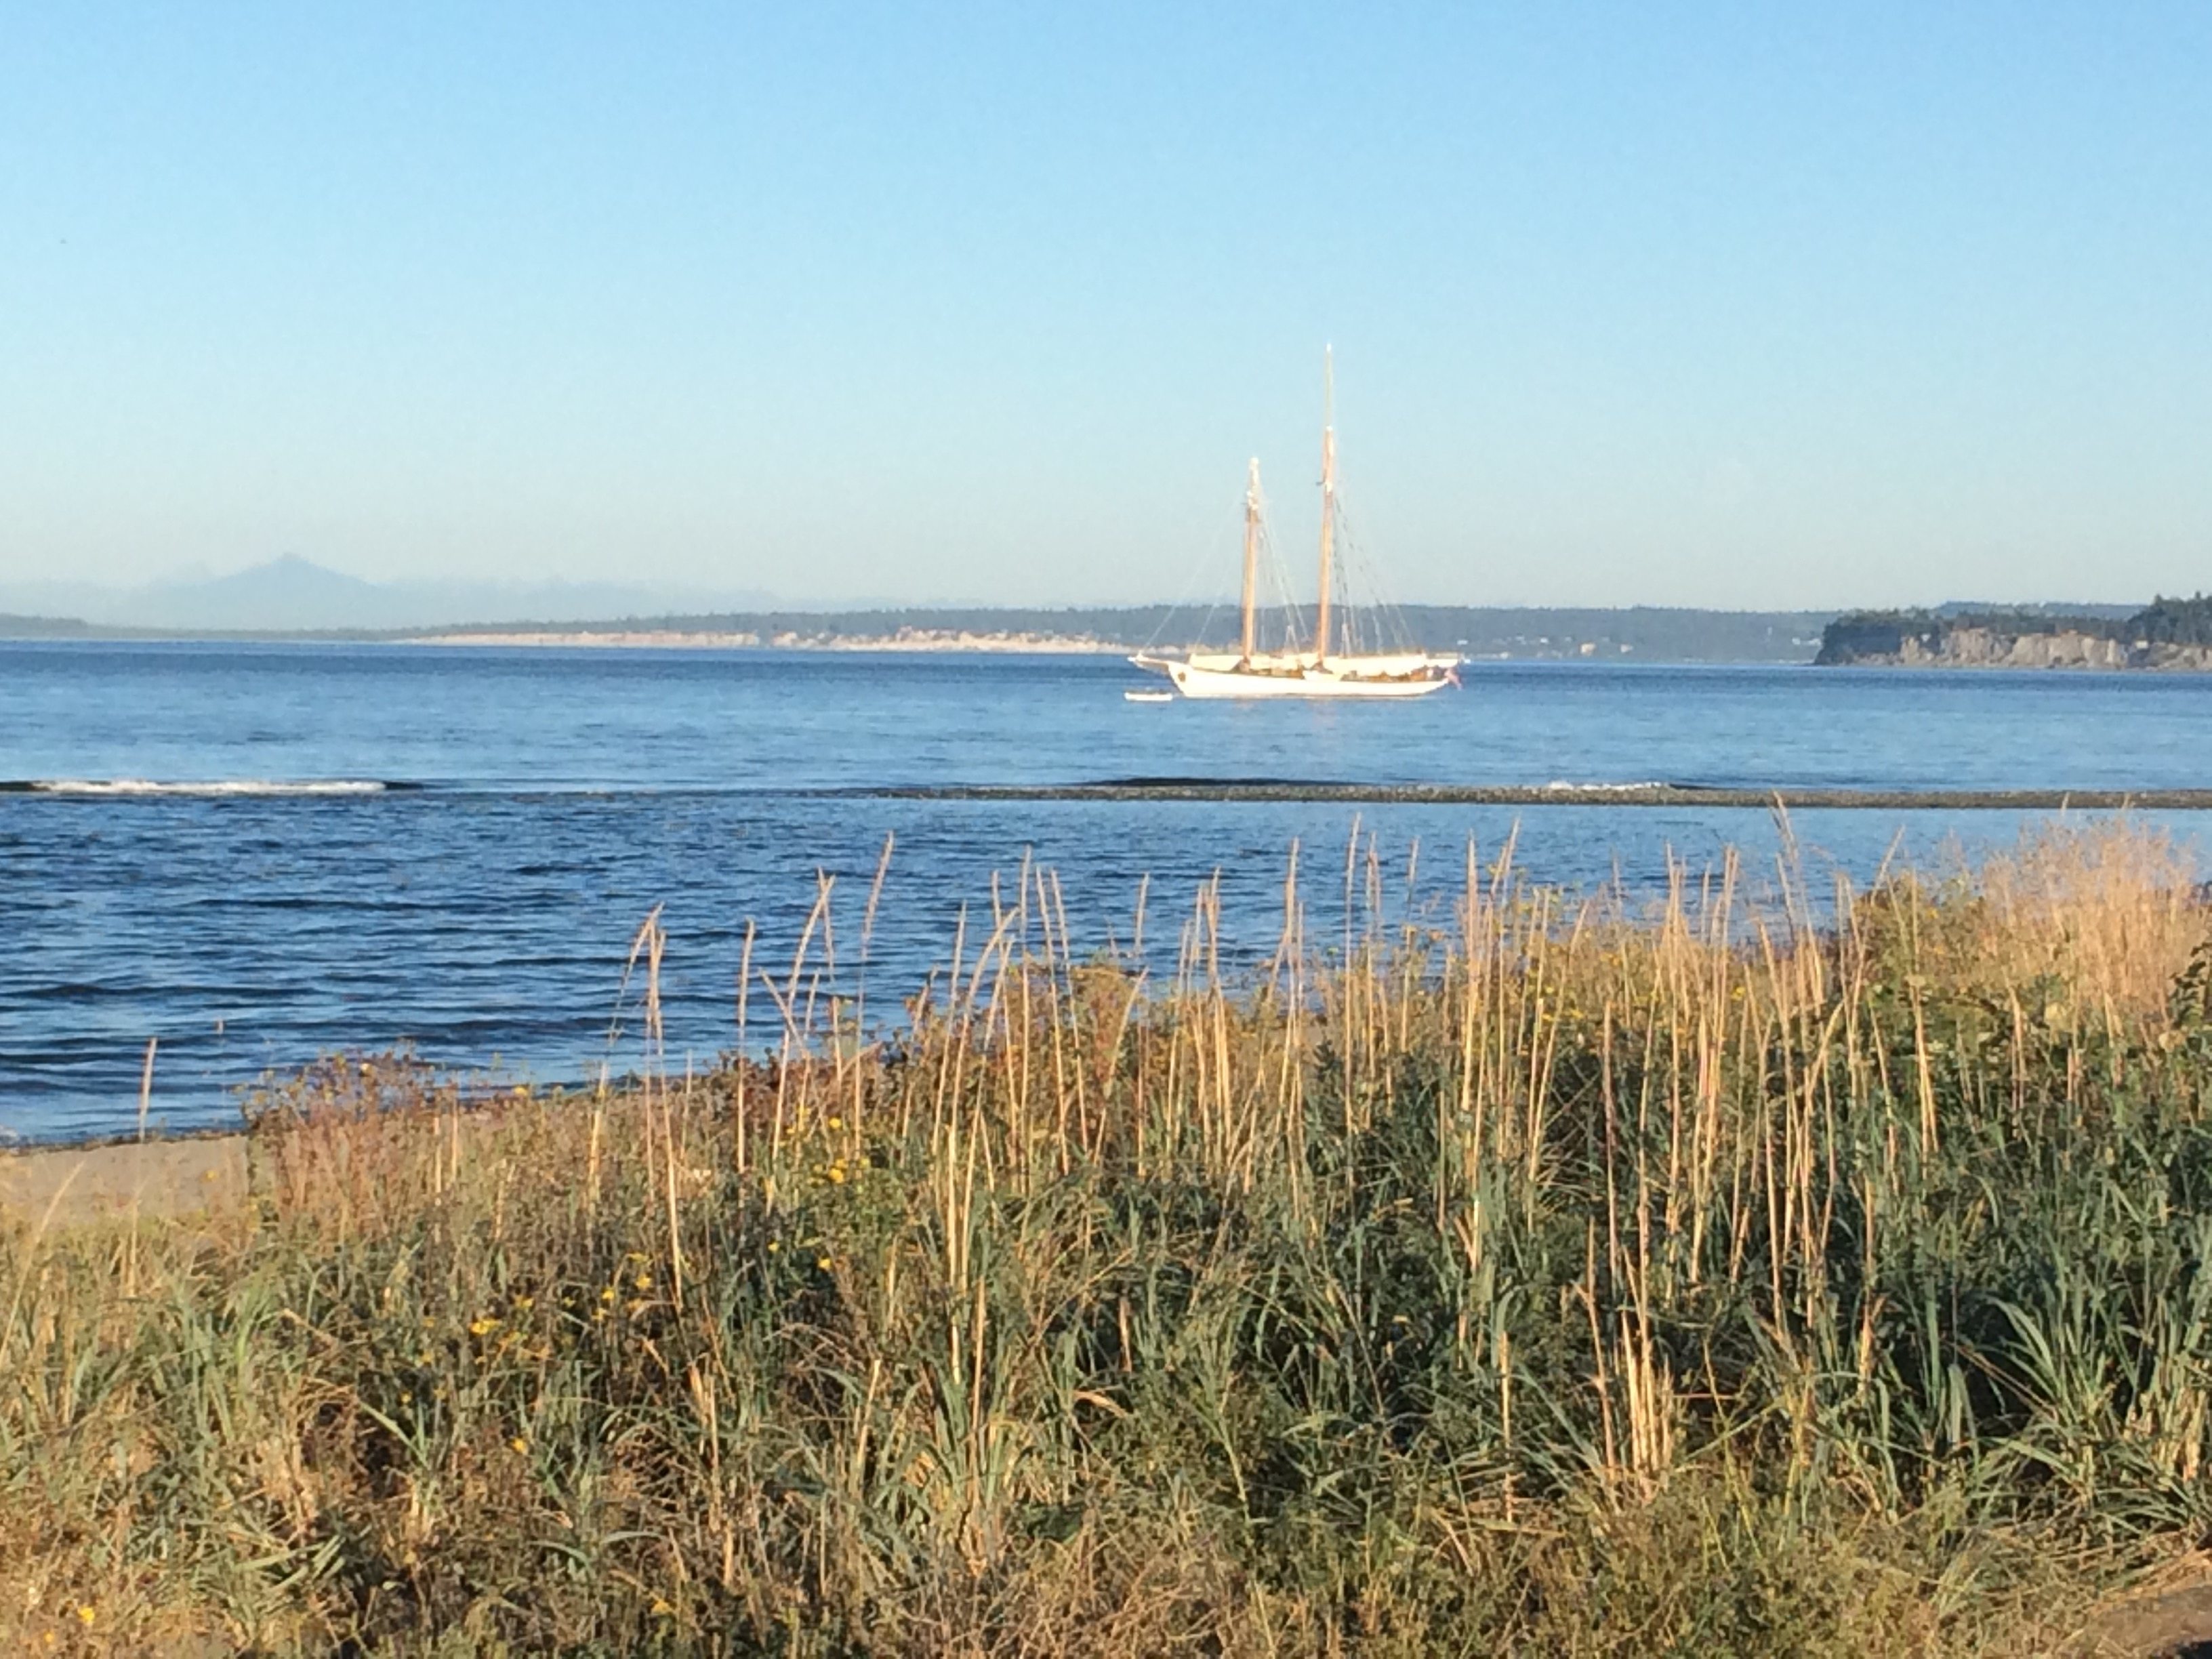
<point x="483" y="1326"/>
<point x="84" y="1615"/>
<point x="518" y="1446"/>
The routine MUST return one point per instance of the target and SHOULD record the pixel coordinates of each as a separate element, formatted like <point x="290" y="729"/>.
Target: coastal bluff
<point x="2172" y="635"/>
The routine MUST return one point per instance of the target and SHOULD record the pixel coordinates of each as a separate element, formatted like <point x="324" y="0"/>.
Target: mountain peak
<point x="292" y="574"/>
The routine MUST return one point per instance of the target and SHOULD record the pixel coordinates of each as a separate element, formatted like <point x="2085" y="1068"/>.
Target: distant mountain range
<point x="295" y="595"/>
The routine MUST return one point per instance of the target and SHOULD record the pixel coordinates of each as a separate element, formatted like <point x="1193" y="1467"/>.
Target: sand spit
<point x="907" y="639"/>
<point x="1560" y="794"/>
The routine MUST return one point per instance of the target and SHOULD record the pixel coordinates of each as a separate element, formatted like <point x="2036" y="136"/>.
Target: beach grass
<point x="1826" y="1273"/>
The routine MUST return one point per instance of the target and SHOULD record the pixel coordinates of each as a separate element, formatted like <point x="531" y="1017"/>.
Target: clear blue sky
<point x="1756" y="305"/>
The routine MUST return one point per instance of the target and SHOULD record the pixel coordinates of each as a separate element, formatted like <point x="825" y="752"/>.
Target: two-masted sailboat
<point x="1320" y="672"/>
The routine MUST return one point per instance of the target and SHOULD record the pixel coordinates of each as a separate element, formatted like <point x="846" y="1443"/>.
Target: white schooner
<point x="1319" y="671"/>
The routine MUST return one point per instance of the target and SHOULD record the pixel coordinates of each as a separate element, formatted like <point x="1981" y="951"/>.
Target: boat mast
<point x="1328" y="501"/>
<point x="1251" y="558"/>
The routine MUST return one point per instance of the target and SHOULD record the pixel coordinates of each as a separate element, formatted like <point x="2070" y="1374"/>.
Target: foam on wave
<point x="216" y="786"/>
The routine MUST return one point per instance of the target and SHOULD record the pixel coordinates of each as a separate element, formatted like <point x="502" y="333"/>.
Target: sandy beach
<point x="46" y="1186"/>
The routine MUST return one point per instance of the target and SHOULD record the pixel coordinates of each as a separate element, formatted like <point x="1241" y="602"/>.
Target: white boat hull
<point x="1339" y="677"/>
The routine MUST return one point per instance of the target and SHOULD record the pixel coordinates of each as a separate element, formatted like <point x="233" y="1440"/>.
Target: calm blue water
<point x="484" y="916"/>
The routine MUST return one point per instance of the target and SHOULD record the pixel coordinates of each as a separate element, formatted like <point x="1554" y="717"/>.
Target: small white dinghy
<point x="1148" y="695"/>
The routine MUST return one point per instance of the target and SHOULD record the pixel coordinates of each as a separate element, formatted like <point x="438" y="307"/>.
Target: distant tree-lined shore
<point x="2168" y="633"/>
<point x="1647" y="633"/>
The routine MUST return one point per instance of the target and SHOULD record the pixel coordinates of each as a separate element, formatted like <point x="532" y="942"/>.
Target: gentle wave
<point x="218" y="787"/>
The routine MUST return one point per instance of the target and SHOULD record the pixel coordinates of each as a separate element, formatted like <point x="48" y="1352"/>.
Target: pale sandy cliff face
<point x="1981" y="648"/>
